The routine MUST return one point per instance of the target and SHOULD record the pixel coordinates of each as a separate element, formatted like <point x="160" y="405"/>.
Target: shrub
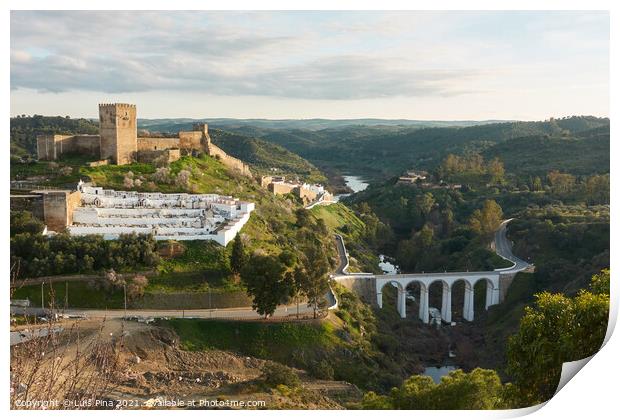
<point x="277" y="374"/>
<point x="322" y="370"/>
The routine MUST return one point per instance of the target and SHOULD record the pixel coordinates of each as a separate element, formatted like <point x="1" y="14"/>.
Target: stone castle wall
<point x="158" y="143"/>
<point x="229" y="161"/>
<point x="53" y="146"/>
<point x="191" y="140"/>
<point x="149" y="156"/>
<point x="58" y="207"/>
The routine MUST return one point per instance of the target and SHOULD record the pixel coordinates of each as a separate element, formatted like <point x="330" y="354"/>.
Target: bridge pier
<point x="380" y="299"/>
<point x="423" y="303"/>
<point x="468" y="304"/>
<point x="402" y="302"/>
<point x="446" y="303"/>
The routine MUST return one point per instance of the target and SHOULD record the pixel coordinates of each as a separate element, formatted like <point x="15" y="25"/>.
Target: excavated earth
<point x="155" y="371"/>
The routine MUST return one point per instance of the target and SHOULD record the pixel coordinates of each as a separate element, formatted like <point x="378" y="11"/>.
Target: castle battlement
<point x="118" y="105"/>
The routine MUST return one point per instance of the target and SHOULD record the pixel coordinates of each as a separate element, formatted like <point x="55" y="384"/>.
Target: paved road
<point x="228" y="313"/>
<point x="500" y="243"/>
<point x="342" y="255"/>
<point x="503" y="248"/>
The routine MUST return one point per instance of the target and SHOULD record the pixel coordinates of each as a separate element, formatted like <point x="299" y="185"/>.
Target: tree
<point x="238" y="256"/>
<point x="183" y="178"/>
<point x="135" y="288"/>
<point x="304" y="217"/>
<point x="264" y="279"/>
<point x="481" y="389"/>
<point x="556" y="329"/>
<point x="496" y="170"/>
<point x="561" y="183"/>
<point x="424" y="203"/>
<point x="314" y="274"/>
<point x="487" y="220"/>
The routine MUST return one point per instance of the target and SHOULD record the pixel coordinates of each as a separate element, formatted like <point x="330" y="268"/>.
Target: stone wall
<point x="191" y="140"/>
<point x="58" y="207"/>
<point x="118" y="131"/>
<point x="305" y="194"/>
<point x="229" y="161"/>
<point x="281" y="188"/>
<point x="53" y="146"/>
<point x="363" y="287"/>
<point x="157" y="143"/>
<point x="149" y="156"/>
<point x="188" y="300"/>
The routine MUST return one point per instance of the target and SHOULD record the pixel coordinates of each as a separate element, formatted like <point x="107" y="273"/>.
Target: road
<point x="343" y="263"/>
<point x="500" y="243"/>
<point x="503" y="248"/>
<point x="227" y="313"/>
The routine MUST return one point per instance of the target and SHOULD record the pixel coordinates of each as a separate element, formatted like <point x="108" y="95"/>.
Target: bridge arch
<point x="381" y="286"/>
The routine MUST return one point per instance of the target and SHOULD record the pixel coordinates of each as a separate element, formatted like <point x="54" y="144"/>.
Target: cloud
<point x="290" y="55"/>
<point x="117" y="52"/>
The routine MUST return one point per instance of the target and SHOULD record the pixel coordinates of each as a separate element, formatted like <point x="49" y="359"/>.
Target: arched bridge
<point x="423" y="281"/>
<point x="447" y="280"/>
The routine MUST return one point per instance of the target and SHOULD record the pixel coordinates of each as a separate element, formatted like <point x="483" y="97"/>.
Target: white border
<point x="592" y="394"/>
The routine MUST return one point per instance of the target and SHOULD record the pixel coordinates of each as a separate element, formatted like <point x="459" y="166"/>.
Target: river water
<point x="437" y="372"/>
<point x="356" y="183"/>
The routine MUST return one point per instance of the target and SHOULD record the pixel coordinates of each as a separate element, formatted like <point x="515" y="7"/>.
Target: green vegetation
<point x="481" y="389"/>
<point x="273" y="280"/>
<point x="34" y="255"/>
<point x="277" y="374"/>
<point x="557" y="329"/>
<point x="81" y="294"/>
<point x="567" y="243"/>
<point x="380" y="152"/>
<point x="364" y="234"/>
<point x="263" y="156"/>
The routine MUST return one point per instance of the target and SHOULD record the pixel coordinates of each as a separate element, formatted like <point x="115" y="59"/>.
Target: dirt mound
<point x="155" y="368"/>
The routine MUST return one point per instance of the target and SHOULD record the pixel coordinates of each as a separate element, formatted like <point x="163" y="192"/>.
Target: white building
<point x="166" y="216"/>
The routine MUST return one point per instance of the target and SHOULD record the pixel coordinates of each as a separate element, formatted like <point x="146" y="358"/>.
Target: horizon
<point x="414" y="65"/>
<point x="489" y="120"/>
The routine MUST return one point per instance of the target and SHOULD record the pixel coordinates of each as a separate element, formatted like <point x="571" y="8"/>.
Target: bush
<point x="322" y="370"/>
<point x="277" y="374"/>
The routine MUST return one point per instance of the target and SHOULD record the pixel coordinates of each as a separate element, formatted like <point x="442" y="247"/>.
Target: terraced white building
<point x="166" y="216"/>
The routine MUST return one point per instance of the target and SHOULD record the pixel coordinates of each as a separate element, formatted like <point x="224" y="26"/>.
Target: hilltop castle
<point x="118" y="142"/>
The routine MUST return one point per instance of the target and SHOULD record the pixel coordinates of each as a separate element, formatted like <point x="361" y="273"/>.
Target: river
<point x="437" y="372"/>
<point x="356" y="183"/>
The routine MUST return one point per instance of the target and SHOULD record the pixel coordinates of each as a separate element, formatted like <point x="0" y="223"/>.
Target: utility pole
<point x="66" y="294"/>
<point x="42" y="295"/>
<point x="125" y="294"/>
<point x="210" y="308"/>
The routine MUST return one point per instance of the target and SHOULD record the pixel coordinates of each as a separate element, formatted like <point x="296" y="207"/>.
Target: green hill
<point x="380" y="152"/>
<point x="263" y="155"/>
<point x="580" y="154"/>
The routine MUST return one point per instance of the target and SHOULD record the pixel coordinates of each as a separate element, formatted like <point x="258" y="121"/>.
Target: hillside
<point x="582" y="153"/>
<point x="381" y="152"/>
<point x="263" y="155"/>
<point x="24" y="130"/>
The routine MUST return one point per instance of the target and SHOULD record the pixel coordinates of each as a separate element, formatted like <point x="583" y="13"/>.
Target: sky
<point x="416" y="65"/>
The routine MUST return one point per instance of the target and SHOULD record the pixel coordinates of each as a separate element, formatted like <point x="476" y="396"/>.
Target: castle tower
<point x="206" y="139"/>
<point x="118" y="131"/>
